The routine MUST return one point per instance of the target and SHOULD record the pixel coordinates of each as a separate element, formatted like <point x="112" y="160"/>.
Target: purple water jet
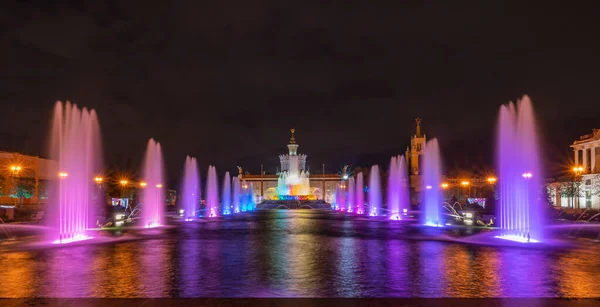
<point x="360" y="194"/>
<point x="520" y="215"/>
<point x="374" y="191"/>
<point x="153" y="197"/>
<point x="226" y="197"/>
<point x="75" y="145"/>
<point x="393" y="190"/>
<point x="430" y="185"/>
<point x="236" y="194"/>
<point x="351" y="195"/>
<point x="403" y="193"/>
<point x="190" y="189"/>
<point x="212" y="193"/>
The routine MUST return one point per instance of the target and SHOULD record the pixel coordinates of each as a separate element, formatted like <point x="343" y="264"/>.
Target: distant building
<point x="293" y="180"/>
<point x="31" y="173"/>
<point x="580" y="189"/>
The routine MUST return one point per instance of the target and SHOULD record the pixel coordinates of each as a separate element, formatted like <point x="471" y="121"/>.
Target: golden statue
<point x="292" y="139"/>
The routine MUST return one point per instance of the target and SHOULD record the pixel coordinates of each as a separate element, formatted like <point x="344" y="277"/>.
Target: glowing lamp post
<point x="98" y="180"/>
<point x="578" y="170"/>
<point x="143" y="184"/>
<point x="466" y="185"/>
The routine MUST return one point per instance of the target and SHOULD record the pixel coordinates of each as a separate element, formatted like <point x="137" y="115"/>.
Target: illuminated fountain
<point x="393" y="190"/>
<point x="250" y="194"/>
<point x="430" y="185"/>
<point x="342" y="203"/>
<point x="226" y="198"/>
<point x="212" y="192"/>
<point x="403" y="193"/>
<point x="75" y="144"/>
<point x="337" y="199"/>
<point x="153" y="198"/>
<point x="374" y="191"/>
<point x="191" y="189"/>
<point x="244" y="196"/>
<point x="236" y="194"/>
<point x="360" y="194"/>
<point x="351" y="195"/>
<point x="293" y="181"/>
<point x="520" y="215"/>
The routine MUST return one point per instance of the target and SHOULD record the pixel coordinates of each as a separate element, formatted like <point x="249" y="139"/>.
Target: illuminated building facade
<point x="29" y="174"/>
<point x="581" y="188"/>
<point x="293" y="181"/>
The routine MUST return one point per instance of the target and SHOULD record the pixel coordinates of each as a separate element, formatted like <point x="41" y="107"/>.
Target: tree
<point x="23" y="188"/>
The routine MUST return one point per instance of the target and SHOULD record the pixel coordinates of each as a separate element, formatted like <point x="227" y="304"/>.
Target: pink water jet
<point x="75" y="145"/>
<point x="153" y="197"/>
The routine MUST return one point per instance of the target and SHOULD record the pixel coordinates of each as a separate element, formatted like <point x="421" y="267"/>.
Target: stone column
<point x="593" y="159"/>
<point x="585" y="161"/>
<point x="576" y="151"/>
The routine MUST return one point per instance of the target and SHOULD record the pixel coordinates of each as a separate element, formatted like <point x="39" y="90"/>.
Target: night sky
<point x="225" y="80"/>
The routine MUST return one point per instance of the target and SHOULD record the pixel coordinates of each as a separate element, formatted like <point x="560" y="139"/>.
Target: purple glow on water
<point x="226" y="198"/>
<point x="191" y="189"/>
<point x="236" y="194"/>
<point x="212" y="192"/>
<point x="351" y="195"/>
<point x="519" y="212"/>
<point x="374" y="191"/>
<point x="431" y="198"/>
<point x="75" y="145"/>
<point x="360" y="194"/>
<point x="153" y="197"/>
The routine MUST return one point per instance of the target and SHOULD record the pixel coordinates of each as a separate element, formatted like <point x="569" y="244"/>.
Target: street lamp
<point x="578" y="170"/>
<point x="143" y="184"/>
<point x="466" y="185"/>
<point x="98" y="181"/>
<point x="15" y="169"/>
<point x="444" y="185"/>
<point x="491" y="180"/>
<point x="63" y="175"/>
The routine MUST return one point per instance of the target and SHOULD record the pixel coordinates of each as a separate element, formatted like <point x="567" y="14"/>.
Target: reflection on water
<point x="297" y="253"/>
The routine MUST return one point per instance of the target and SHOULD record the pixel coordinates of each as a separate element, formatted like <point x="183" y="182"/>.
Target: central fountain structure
<point x="293" y="181"/>
<point x="75" y="144"/>
<point x="520" y="214"/>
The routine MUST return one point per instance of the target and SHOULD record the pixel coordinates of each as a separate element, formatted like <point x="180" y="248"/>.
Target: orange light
<point x="444" y="185"/>
<point x="63" y="175"/>
<point x="491" y="180"/>
<point x="159" y="185"/>
<point x="143" y="184"/>
<point x="98" y="180"/>
<point x="465" y="183"/>
<point x="123" y="182"/>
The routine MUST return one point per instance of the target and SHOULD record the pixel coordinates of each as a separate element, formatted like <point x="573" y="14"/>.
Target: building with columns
<point x="587" y="151"/>
<point x="293" y="177"/>
<point x="580" y="189"/>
